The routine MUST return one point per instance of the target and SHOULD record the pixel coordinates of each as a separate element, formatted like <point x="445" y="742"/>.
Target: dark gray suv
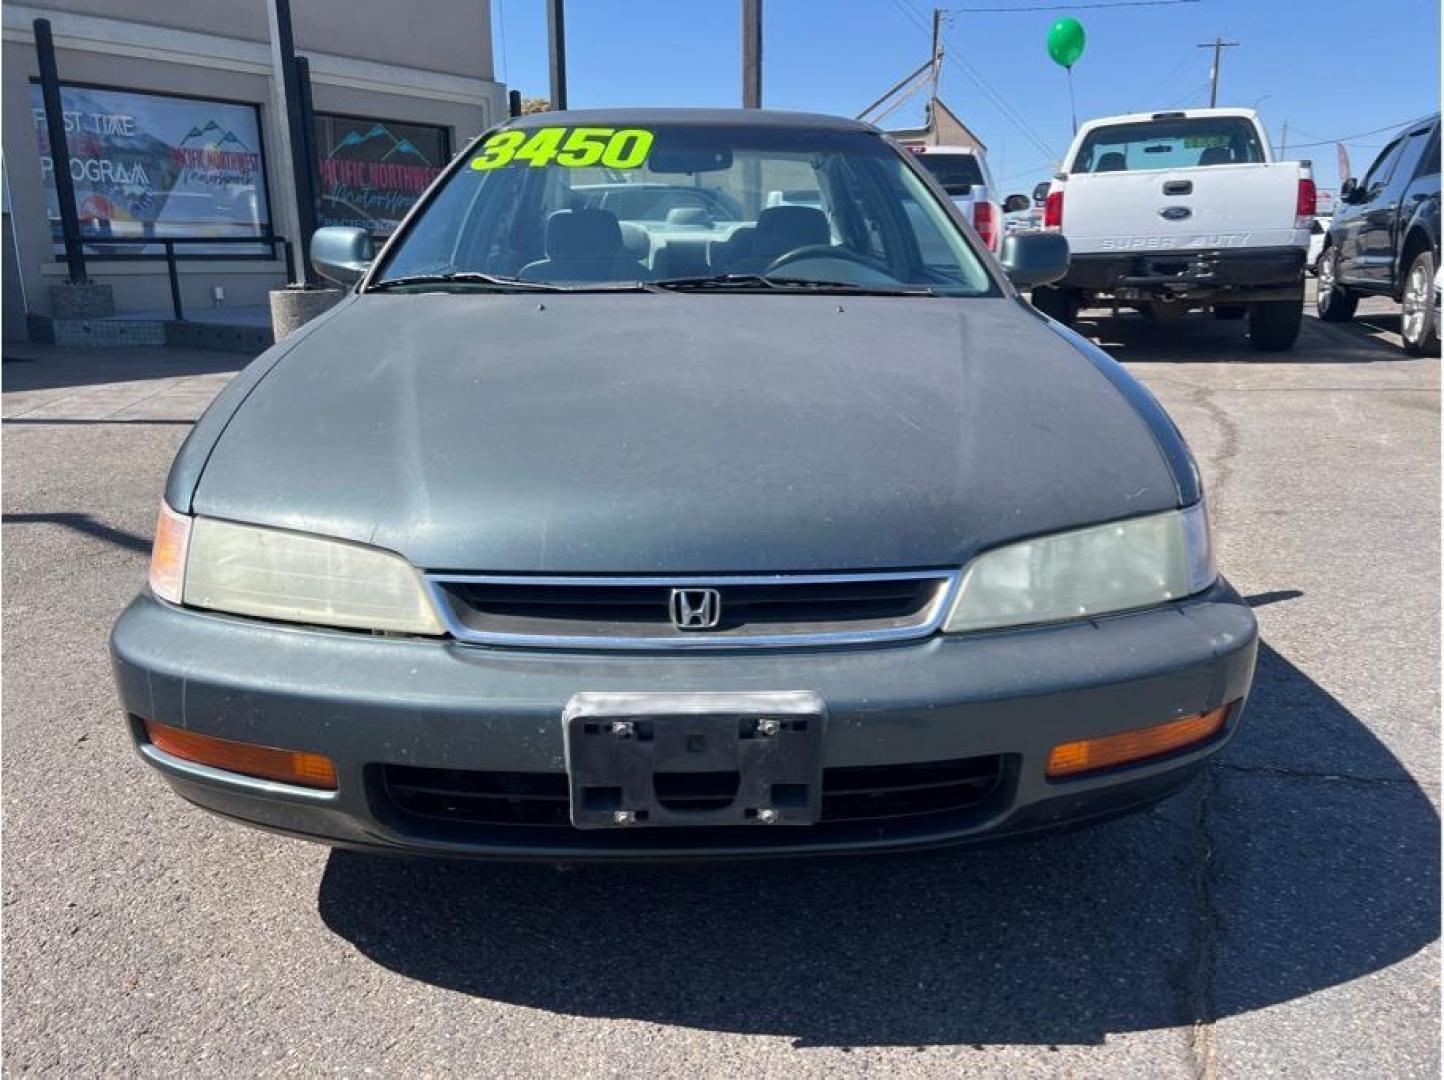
<point x="1383" y="239"/>
<point x="713" y="524"/>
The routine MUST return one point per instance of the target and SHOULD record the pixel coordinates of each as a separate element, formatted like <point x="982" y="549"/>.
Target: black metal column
<point x="296" y="129"/>
<point x="308" y="128"/>
<point x="59" y="152"/>
<point x="557" y="49"/>
<point x="752" y="54"/>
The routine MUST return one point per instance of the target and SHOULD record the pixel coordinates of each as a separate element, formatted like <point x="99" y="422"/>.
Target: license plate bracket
<point x="661" y="759"/>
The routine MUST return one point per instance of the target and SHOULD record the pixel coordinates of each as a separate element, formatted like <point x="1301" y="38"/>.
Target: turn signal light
<point x="1087" y="755"/>
<point x="168" y="554"/>
<point x="267" y="762"/>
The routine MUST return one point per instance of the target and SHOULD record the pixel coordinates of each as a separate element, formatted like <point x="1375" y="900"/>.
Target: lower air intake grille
<point x="853" y="794"/>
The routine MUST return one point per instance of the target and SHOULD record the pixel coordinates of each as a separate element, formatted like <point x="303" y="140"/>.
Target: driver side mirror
<point x="1013" y="203"/>
<point x="1349" y="190"/>
<point x="342" y="254"/>
<point x="1040" y="193"/>
<point x="1034" y="258"/>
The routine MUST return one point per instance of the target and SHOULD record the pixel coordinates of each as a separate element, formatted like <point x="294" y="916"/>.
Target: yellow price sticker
<point x="574" y="148"/>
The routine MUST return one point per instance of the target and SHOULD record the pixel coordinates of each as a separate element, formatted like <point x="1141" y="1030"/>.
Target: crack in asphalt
<point x="1202" y="998"/>
<point x="1203" y="1037"/>
<point x="1311" y="774"/>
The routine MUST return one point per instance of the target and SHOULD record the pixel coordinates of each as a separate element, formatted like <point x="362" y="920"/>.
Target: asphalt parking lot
<point x="1278" y="918"/>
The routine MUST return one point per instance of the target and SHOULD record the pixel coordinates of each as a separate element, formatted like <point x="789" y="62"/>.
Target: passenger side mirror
<point x="1013" y="203"/>
<point x="1034" y="258"/>
<point x="1348" y="190"/>
<point x="1040" y="193"/>
<point x="342" y="254"/>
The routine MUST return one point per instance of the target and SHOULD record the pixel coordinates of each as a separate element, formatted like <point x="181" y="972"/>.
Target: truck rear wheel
<point x="1057" y="303"/>
<point x="1419" y="326"/>
<point x="1335" y="303"/>
<point x="1273" y="325"/>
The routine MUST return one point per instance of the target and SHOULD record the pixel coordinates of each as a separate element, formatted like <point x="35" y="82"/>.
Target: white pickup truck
<point x="1174" y="211"/>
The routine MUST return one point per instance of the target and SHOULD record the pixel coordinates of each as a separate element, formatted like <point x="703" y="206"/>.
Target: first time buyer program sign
<point x="150" y="165"/>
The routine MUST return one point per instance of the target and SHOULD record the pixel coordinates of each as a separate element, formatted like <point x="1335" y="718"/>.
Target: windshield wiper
<point x="465" y="277"/>
<point x="504" y="283"/>
<point x="765" y="281"/>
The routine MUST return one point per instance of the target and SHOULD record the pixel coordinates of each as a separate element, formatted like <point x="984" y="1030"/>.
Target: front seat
<point x="781" y="229"/>
<point x="584" y="245"/>
<point x="1216" y="155"/>
<point x="1112" y="161"/>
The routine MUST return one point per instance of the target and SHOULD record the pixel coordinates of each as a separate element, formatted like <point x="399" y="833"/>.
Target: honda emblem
<point x="696" y="609"/>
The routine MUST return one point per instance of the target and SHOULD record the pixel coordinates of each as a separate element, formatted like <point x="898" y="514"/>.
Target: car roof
<point x="770" y="118"/>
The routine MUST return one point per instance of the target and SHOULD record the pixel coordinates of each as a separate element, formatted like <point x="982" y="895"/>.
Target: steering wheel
<point x="827" y="251"/>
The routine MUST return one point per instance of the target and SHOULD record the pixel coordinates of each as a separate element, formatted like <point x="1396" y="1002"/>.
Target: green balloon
<point x="1065" y="42"/>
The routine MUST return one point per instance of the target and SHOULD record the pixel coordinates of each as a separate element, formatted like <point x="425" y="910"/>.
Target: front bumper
<point x="1241" y="274"/>
<point x="377" y="705"/>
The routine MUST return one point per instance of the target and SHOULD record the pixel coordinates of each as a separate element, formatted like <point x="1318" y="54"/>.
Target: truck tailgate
<point x="1213" y="206"/>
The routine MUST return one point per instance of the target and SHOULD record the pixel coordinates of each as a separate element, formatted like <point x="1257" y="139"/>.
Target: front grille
<point x="853" y="794"/>
<point x="586" y="612"/>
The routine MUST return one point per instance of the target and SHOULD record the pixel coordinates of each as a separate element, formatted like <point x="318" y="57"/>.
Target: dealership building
<point x="175" y="125"/>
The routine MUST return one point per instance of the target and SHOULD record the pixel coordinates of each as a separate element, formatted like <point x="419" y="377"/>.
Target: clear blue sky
<point x="1329" y="68"/>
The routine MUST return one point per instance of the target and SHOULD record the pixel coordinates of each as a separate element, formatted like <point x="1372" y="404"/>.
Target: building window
<point x="154" y="165"/>
<point x="373" y="171"/>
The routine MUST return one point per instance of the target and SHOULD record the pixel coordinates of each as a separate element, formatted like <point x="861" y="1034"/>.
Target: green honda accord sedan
<point x="682" y="483"/>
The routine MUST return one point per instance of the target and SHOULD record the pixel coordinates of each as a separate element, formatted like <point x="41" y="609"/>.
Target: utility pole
<point x="1217" y="45"/>
<point x="937" y="55"/>
<point x="752" y="54"/>
<point x="1284" y="140"/>
<point x="557" y="50"/>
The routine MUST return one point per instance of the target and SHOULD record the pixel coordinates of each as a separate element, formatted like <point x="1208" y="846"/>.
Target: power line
<point x="1072" y="7"/>
<point x="992" y="95"/>
<point x="1361" y="134"/>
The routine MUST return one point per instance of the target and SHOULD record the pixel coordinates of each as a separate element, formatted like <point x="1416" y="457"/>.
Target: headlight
<point x="1127" y="564"/>
<point x="272" y="574"/>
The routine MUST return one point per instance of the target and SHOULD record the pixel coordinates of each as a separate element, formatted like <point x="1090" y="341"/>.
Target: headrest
<point x="782" y="228"/>
<point x="583" y="234"/>
<point x="1112" y="161"/>
<point x="688" y="215"/>
<point x="635" y="239"/>
<point x="1216" y="155"/>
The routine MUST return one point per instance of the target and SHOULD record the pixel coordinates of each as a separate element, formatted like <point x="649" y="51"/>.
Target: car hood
<point x="683" y="433"/>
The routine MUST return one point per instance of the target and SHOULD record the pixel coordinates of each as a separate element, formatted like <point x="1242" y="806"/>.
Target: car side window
<point x="1410" y="155"/>
<point x="1379" y="172"/>
<point x="1429" y="163"/>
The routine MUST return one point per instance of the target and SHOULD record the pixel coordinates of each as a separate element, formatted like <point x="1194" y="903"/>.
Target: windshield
<point x="1181" y="143"/>
<point x="670" y="204"/>
<point x="957" y="173"/>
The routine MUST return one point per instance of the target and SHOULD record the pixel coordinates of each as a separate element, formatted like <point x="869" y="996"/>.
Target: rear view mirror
<point x="341" y="254"/>
<point x="1013" y="203"/>
<point x="681" y="159"/>
<point x="1034" y="258"/>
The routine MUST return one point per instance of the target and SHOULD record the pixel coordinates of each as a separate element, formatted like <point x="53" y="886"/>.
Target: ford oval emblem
<point x="1175" y="213"/>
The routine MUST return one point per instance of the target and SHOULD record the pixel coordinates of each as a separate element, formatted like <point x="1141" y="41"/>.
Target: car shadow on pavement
<point x="29" y="366"/>
<point x="1262" y="883"/>
<point x="1201" y="339"/>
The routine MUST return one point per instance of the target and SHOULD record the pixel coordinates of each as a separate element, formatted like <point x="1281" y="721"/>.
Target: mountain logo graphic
<point x="226" y="138"/>
<point x="379" y="131"/>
